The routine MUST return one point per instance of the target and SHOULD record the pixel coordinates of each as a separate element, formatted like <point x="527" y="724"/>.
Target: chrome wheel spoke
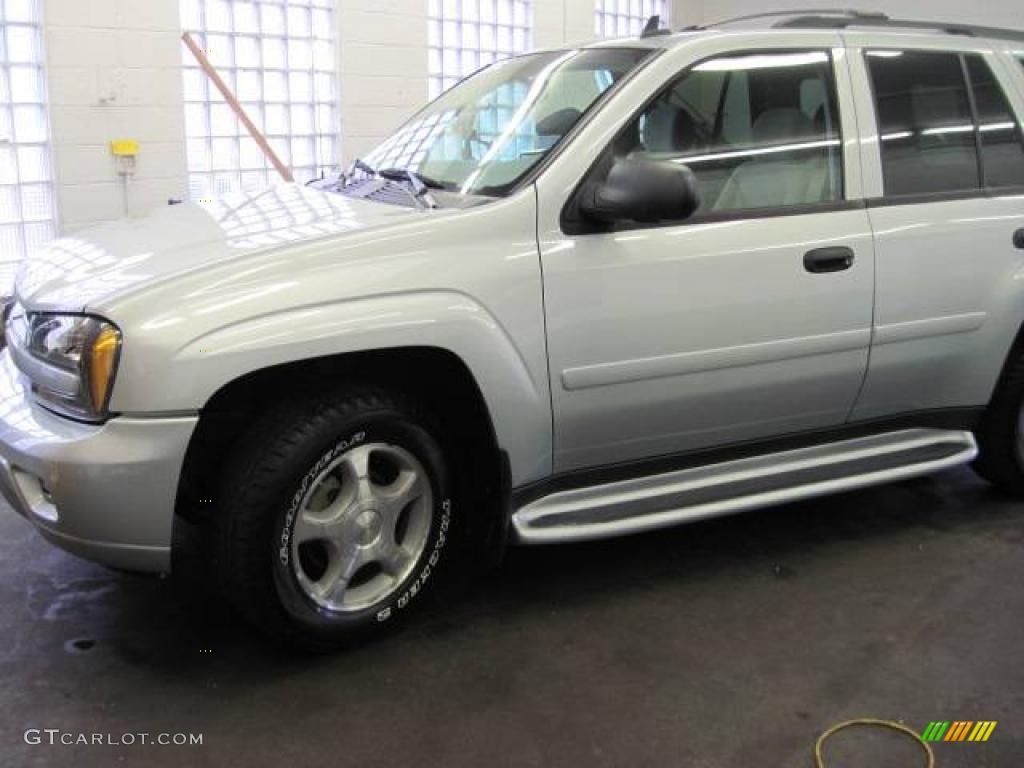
<point x="312" y="528"/>
<point x="325" y="494"/>
<point x="357" y="465"/>
<point x="356" y="539"/>
<point x="332" y="586"/>
<point x="406" y="487"/>
<point x="394" y="559"/>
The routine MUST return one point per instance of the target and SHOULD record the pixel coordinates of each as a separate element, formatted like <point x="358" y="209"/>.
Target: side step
<point x="657" y="501"/>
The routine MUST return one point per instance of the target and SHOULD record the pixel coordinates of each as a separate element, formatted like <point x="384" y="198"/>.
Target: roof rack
<point x="833" y="18"/>
<point x="851" y="13"/>
<point x="815" y="20"/>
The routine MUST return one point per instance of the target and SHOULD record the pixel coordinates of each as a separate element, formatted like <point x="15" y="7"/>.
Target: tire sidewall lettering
<point x="283" y="544"/>
<point x="417" y="584"/>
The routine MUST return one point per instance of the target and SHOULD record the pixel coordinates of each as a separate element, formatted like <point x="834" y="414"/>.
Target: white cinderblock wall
<point x="114" y="71"/>
<point x="383" y="64"/>
<point x="686" y="12"/>
<point x="383" y="60"/>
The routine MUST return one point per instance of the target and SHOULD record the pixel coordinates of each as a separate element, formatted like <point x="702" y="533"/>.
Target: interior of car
<point x="755" y="130"/>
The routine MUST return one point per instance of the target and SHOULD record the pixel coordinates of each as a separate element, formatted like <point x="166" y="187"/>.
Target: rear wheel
<point x="1001" y="434"/>
<point x="336" y="516"/>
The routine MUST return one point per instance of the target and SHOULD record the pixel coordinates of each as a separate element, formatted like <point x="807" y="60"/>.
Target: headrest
<point x="558" y="123"/>
<point x="775" y="126"/>
<point x="668" y="129"/>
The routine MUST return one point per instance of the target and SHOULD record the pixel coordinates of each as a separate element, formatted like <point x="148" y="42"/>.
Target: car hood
<point x="98" y="264"/>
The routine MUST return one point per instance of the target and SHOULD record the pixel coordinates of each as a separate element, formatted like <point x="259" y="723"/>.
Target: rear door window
<point x="924" y="121"/>
<point x="999" y="133"/>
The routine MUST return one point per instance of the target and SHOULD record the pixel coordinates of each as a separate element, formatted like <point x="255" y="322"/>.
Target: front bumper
<point x="104" y="492"/>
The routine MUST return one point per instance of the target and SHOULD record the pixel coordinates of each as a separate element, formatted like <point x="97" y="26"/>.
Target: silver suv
<point x="586" y="292"/>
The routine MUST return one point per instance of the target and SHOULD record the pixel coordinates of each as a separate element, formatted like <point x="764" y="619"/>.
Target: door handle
<point x="1018" y="239"/>
<point x="833" y="259"/>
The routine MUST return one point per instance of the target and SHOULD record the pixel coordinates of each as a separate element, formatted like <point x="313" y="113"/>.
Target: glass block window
<point x="278" y="58"/>
<point x="464" y="35"/>
<point x="27" y="210"/>
<point x="626" y="18"/>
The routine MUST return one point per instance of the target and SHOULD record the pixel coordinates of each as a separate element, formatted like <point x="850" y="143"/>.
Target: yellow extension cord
<point x="820" y="761"/>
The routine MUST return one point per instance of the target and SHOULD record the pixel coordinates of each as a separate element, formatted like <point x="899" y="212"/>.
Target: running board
<point x="657" y="501"/>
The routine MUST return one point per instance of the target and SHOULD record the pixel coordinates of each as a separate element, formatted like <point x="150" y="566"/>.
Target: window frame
<point x="981" y="192"/>
<point x="572" y="223"/>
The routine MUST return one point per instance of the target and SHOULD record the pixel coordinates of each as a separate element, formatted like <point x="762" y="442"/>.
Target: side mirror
<point x="641" y="190"/>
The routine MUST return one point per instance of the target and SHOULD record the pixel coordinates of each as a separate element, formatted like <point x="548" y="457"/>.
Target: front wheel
<point x="337" y="515"/>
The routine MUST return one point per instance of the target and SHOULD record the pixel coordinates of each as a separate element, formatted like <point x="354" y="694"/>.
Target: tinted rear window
<point x="924" y="121"/>
<point x="1002" y="152"/>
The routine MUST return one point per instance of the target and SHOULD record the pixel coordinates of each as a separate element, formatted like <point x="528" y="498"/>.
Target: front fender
<point x="518" y="401"/>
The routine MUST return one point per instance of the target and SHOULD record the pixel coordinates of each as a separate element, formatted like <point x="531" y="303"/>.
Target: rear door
<point x="944" y="174"/>
<point x="752" y="319"/>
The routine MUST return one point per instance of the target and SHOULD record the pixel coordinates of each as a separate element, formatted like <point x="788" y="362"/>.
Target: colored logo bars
<point x="959" y="730"/>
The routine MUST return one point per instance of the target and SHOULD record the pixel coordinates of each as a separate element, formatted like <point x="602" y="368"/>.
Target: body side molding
<point x="626" y="371"/>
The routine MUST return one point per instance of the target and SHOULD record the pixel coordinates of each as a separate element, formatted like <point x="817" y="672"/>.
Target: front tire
<point x="337" y="514"/>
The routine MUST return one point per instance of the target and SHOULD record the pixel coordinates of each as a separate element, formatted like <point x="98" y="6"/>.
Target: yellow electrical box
<point x="124" y="147"/>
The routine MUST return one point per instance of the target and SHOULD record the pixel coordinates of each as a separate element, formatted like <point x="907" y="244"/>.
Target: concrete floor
<point x="729" y="643"/>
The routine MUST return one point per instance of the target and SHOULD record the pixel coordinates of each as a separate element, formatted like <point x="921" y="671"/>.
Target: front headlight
<point x="71" y="360"/>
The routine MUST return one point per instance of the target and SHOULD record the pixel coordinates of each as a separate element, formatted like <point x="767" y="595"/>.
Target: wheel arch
<point x="447" y="389"/>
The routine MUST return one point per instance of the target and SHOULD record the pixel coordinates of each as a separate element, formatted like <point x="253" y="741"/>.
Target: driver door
<point x="745" y="321"/>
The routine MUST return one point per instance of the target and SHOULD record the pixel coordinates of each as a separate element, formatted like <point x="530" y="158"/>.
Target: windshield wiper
<point x="402" y="174"/>
<point x="420" y="185"/>
<point x="359" y="165"/>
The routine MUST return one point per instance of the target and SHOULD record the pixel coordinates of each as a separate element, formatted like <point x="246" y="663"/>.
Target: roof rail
<point x="850" y="13"/>
<point x="823" y="21"/>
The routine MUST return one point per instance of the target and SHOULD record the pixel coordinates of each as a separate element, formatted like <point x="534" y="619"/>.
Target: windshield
<point x="482" y="136"/>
